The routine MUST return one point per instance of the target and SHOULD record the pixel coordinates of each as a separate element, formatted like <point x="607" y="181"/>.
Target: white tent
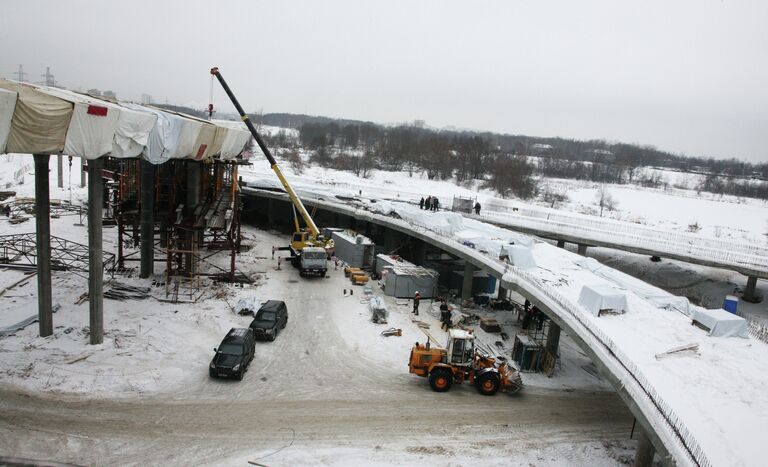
<point x="720" y="323"/>
<point x="7" y="104"/>
<point x="597" y="298"/>
<point x="166" y="137"/>
<point x="40" y="121"/>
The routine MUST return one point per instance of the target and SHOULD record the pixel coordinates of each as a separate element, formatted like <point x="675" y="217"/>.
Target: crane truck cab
<point x="460" y="362"/>
<point x="313" y="260"/>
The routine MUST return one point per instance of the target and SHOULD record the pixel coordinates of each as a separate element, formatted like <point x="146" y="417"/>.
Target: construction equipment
<point x="462" y="362"/>
<point x="302" y="238"/>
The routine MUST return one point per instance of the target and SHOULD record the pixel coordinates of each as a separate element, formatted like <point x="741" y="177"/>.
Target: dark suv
<point x="234" y="354"/>
<point x="271" y="317"/>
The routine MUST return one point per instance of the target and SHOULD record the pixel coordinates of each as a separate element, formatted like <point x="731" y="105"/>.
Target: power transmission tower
<point x="49" y="81"/>
<point x="20" y="75"/>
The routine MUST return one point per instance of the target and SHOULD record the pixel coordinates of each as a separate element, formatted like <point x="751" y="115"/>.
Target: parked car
<point x="234" y="354"/>
<point x="270" y="319"/>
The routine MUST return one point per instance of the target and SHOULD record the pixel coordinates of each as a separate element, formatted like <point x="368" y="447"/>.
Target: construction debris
<point x="490" y="325"/>
<point x="378" y="310"/>
<point x="678" y="351"/>
<point x="392" y="332"/>
<point x="126" y="292"/>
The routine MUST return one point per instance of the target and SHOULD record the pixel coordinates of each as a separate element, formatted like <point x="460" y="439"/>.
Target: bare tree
<point x="605" y="200"/>
<point x="294" y="159"/>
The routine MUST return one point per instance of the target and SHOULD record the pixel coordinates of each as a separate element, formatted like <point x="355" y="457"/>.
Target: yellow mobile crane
<point x="309" y="249"/>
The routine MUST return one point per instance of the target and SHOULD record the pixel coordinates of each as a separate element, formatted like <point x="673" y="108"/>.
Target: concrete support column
<point x="503" y="293"/>
<point x="270" y="212"/>
<point x="43" y="231"/>
<point x="418" y="250"/>
<point x="553" y="338"/>
<point x="336" y="219"/>
<point x="391" y="238"/>
<point x="82" y="173"/>
<point x="95" y="251"/>
<point x="147" y="235"/>
<point x="645" y="451"/>
<point x="582" y="249"/>
<point x="60" y="170"/>
<point x="561" y="243"/>
<point x="469" y="277"/>
<point x="368" y="229"/>
<point x="750" y="294"/>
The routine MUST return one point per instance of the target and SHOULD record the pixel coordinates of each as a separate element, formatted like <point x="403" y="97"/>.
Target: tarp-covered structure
<point x="44" y="120"/>
<point x="603" y="298"/>
<point x="720" y="323"/>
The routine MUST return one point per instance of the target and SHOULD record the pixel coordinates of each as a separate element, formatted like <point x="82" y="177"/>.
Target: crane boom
<point x="313" y="230"/>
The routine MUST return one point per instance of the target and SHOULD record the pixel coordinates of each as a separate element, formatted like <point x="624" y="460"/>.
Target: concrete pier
<point x="147" y="235"/>
<point x="95" y="251"/>
<point x="469" y="277"/>
<point x="43" y="238"/>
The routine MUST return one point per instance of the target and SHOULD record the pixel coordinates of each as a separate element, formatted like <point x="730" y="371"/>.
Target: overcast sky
<point x="688" y="76"/>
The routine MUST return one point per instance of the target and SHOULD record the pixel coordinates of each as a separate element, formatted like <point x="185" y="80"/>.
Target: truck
<point x="313" y="260"/>
<point x="460" y="362"/>
<point x="302" y="238"/>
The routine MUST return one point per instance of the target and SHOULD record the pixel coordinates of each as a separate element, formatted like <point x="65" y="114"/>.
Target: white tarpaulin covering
<point x="519" y="255"/>
<point x="7" y="104"/>
<point x="721" y="323"/>
<point x="596" y="298"/>
<point x="234" y="140"/>
<point x="132" y="135"/>
<point x="165" y="139"/>
<point x="93" y="125"/>
<point x="40" y="121"/>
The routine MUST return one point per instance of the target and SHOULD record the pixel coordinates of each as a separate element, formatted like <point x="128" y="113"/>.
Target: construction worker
<point x="445" y="316"/>
<point x="416" y="299"/>
<point x="435" y="204"/>
<point x="477" y="208"/>
<point x="428" y="203"/>
<point x="421" y="203"/>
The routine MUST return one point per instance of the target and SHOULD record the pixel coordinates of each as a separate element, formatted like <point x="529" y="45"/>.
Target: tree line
<point x="506" y="163"/>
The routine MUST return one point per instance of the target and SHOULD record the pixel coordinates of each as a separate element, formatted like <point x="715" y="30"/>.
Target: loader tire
<point x="440" y="380"/>
<point x="487" y="384"/>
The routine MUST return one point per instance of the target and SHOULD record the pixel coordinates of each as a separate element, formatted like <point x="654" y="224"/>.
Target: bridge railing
<point x="622" y="235"/>
<point x="617" y="227"/>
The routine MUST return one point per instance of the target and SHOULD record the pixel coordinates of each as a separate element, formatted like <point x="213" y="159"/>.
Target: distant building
<point x="146" y="99"/>
<point x="599" y="155"/>
<point x="538" y="149"/>
<point x="94" y="92"/>
<point x="109" y="94"/>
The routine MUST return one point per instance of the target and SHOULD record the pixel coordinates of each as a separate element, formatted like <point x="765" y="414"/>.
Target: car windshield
<point x="231" y="349"/>
<point x="267" y="316"/>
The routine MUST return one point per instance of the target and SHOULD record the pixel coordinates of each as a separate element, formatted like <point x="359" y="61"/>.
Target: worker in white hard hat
<point x="416" y="298"/>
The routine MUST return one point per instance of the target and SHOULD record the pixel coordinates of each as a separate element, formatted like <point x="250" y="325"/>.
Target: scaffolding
<point x="180" y="232"/>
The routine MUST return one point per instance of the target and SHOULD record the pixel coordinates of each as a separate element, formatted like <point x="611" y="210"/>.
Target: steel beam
<point x="43" y="233"/>
<point x="147" y="236"/>
<point x="95" y="259"/>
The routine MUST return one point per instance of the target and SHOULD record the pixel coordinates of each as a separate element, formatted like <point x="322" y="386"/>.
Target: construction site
<point x="185" y="242"/>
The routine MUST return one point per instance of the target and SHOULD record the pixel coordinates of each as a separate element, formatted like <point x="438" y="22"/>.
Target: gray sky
<point x="688" y="76"/>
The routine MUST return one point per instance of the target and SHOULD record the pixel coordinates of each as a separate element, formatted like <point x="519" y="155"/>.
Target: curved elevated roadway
<point x="676" y="435"/>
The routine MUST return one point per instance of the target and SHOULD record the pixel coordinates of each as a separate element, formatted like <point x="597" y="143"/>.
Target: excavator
<point x="460" y="362"/>
<point x="308" y="248"/>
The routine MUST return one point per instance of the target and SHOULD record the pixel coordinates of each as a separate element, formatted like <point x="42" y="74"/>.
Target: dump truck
<point x="313" y="260"/>
<point x="307" y="237"/>
<point x="461" y="362"/>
